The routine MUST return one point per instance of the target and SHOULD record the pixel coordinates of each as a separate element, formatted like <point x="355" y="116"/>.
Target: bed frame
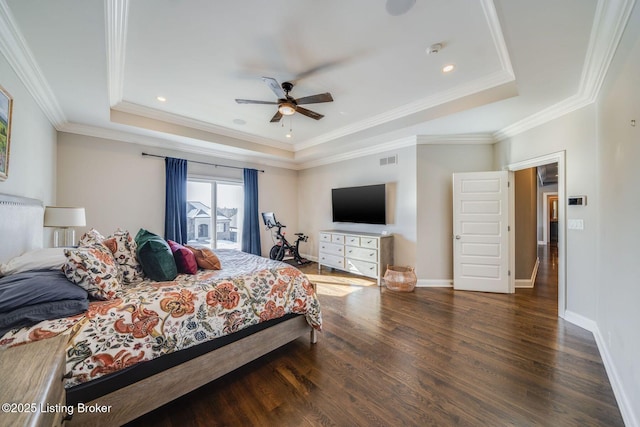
<point x="21" y="223"/>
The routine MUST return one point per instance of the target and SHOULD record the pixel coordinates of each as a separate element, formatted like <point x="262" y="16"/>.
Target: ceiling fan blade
<point x="276" y="118"/>
<point x="309" y="113"/>
<point x="275" y="87"/>
<point x="315" y="99"/>
<point x="252" y="101"/>
<point x="320" y="68"/>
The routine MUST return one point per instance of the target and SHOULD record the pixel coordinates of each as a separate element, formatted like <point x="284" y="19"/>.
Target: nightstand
<point x="32" y="393"/>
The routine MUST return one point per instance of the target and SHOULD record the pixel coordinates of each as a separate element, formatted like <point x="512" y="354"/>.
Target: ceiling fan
<point x="287" y="105"/>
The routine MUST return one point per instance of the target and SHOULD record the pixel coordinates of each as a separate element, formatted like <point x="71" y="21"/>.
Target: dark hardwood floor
<point x="429" y="357"/>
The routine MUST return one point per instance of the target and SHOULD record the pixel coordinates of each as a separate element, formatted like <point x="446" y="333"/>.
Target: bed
<point x="152" y="342"/>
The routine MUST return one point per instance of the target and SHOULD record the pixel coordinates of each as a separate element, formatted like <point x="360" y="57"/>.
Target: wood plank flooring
<point x="430" y="357"/>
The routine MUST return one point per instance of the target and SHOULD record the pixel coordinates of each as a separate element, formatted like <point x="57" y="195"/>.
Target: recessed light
<point x="288" y="135"/>
<point x="161" y="99"/>
<point x="448" y="68"/>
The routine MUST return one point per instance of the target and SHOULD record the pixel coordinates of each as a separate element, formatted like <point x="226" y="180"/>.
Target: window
<point x="210" y="200"/>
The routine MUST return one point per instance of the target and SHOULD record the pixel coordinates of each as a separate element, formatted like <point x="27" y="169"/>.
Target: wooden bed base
<point x="137" y="399"/>
<point x="21" y="224"/>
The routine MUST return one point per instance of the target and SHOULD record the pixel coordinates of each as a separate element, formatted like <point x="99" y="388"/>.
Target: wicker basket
<point x="398" y="278"/>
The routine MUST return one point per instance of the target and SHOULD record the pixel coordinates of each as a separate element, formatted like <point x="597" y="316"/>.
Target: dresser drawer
<point x="352" y="240"/>
<point x="362" y="253"/>
<point x="337" y="238"/>
<point x="364" y="268"/>
<point x="369" y="242"/>
<point x="331" y="261"/>
<point x="325" y="237"/>
<point x="331" y="249"/>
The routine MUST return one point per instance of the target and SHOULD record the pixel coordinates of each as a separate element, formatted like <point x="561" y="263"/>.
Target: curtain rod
<point x="202" y="163"/>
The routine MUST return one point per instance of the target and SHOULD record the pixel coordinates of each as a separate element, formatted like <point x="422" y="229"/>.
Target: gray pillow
<point x="33" y="296"/>
<point x="35" y="287"/>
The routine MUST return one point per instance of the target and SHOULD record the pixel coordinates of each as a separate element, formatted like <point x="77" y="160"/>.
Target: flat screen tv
<point x="366" y="204"/>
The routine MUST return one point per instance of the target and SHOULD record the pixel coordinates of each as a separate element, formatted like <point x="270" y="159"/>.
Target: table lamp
<point x="63" y="219"/>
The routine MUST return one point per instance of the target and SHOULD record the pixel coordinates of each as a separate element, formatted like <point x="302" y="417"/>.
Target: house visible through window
<point x="219" y="201"/>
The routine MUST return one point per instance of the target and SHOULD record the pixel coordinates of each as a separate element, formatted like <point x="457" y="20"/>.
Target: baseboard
<point x="428" y="283"/>
<point x="309" y="257"/>
<point x="579" y="320"/>
<point x="529" y="283"/>
<point x="626" y="408"/>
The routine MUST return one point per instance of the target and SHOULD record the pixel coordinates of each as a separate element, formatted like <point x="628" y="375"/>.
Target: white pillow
<point x="39" y="259"/>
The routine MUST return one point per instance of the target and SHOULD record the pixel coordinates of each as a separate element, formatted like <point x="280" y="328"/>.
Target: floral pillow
<point x="123" y="247"/>
<point x="90" y="237"/>
<point x="94" y="269"/>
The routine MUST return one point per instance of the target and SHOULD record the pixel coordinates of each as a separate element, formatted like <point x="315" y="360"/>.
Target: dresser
<point x="366" y="254"/>
<point x="32" y="393"/>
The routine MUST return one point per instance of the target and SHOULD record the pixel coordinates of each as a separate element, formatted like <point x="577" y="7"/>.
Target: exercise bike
<point x="282" y="246"/>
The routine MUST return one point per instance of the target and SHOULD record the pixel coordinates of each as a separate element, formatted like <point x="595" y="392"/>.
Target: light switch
<point x="575" y="224"/>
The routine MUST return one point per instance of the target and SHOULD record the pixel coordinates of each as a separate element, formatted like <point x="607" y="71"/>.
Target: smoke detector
<point x="434" y="48"/>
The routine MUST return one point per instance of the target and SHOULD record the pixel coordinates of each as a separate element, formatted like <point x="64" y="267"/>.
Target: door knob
<point x="457" y="237"/>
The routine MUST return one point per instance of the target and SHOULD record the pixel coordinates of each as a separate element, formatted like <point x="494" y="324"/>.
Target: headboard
<point x="21" y="225"/>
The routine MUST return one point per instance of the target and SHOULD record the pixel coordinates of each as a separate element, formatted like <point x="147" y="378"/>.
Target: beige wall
<point x="574" y="133"/>
<point x="435" y="167"/>
<point x="314" y="198"/>
<point x="525" y="223"/>
<point x="120" y="188"/>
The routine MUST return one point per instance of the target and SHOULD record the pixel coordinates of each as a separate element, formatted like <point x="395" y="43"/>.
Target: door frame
<point x="558" y="157"/>
<point x="545" y="212"/>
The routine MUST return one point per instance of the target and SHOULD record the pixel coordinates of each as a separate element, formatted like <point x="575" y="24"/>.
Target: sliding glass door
<point x="214" y="213"/>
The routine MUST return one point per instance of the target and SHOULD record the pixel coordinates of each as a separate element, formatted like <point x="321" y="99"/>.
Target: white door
<point x="482" y="207"/>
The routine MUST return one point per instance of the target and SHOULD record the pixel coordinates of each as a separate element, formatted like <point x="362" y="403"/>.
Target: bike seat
<point x="299" y="234"/>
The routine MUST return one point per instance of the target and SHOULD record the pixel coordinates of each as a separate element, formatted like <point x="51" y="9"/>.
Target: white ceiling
<point x="98" y="67"/>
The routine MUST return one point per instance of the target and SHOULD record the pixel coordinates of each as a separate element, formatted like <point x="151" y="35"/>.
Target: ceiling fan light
<point x="286" y="109"/>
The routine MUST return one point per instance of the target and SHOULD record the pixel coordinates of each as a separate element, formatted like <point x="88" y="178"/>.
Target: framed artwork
<point x="6" y="105"/>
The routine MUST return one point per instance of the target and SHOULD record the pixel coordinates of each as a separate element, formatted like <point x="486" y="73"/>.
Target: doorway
<point x="559" y="159"/>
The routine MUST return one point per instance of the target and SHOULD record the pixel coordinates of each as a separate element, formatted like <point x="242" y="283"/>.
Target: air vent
<point x="392" y="160"/>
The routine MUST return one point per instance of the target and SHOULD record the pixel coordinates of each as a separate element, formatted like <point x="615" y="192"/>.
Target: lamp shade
<point x="62" y="217"/>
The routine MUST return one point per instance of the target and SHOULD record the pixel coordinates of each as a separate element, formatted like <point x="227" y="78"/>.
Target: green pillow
<point x="155" y="256"/>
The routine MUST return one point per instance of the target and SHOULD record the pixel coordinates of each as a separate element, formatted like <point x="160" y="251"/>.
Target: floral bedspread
<point x="150" y="319"/>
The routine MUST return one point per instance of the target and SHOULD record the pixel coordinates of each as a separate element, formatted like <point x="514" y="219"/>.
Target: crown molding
<point x="559" y="109"/>
<point x="116" y="19"/>
<point x="491" y="15"/>
<point x="14" y="47"/>
<point x="409" y="141"/>
<point x="193" y="146"/>
<point x="609" y="23"/>
<point x="152" y="113"/>
<point x="462" y="139"/>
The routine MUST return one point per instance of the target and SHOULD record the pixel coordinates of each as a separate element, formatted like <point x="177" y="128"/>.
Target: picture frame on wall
<point x="6" y="107"/>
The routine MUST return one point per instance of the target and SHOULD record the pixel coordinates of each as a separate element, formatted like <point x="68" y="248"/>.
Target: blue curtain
<point x="175" y="220"/>
<point x="251" y="220"/>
